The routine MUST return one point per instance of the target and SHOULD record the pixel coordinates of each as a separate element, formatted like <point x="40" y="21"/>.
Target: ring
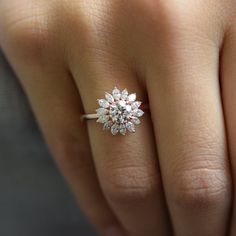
<point x="119" y="112"/>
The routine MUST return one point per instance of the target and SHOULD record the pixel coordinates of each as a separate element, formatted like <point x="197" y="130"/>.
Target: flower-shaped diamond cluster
<point x="119" y="111"/>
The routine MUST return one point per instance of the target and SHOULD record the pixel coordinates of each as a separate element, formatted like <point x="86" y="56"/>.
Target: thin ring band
<point x="89" y="116"/>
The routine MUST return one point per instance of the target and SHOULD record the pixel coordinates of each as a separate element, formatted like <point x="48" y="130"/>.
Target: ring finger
<point x="127" y="165"/>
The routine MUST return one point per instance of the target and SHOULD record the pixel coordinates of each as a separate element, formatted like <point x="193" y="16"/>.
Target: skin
<point x="176" y="174"/>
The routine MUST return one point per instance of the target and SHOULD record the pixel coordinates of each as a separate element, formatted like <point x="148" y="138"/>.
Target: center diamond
<point x="120" y="112"/>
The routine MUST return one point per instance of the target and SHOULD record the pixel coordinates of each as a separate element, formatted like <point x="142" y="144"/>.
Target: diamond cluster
<point x="119" y="111"/>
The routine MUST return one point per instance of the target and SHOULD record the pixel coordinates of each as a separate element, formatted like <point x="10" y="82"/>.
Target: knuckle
<point x="172" y="21"/>
<point x="27" y="33"/>
<point x="89" y="19"/>
<point x="130" y="185"/>
<point x="200" y="188"/>
<point x="81" y="15"/>
<point x="29" y="38"/>
<point x="201" y="176"/>
<point x="78" y="18"/>
<point x="163" y="13"/>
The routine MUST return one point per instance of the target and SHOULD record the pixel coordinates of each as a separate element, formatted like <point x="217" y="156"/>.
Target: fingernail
<point x="114" y="231"/>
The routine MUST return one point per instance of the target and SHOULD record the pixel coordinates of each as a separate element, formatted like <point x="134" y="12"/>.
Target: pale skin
<point x="176" y="174"/>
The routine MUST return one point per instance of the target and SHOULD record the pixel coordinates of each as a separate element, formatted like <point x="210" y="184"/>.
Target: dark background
<point x="34" y="200"/>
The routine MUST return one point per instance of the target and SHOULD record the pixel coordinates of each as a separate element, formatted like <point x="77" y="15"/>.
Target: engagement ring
<point x="119" y="112"/>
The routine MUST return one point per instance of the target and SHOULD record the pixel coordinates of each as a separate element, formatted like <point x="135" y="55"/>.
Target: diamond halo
<point x="119" y="111"/>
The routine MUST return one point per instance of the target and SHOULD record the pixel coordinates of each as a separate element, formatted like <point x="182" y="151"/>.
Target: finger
<point x="58" y="115"/>
<point x="126" y="165"/>
<point x="228" y="73"/>
<point x="56" y="104"/>
<point x="186" y="109"/>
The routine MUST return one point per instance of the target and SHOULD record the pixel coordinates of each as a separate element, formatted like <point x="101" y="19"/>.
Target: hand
<point x="173" y="176"/>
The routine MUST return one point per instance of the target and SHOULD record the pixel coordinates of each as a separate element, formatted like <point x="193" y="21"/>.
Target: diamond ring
<point x="119" y="112"/>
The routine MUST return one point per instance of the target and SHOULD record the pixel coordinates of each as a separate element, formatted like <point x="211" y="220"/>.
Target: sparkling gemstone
<point x="107" y="125"/>
<point x="119" y="112"/>
<point x="103" y="103"/>
<point x="138" y="112"/>
<point x="109" y="97"/>
<point x="130" y="127"/>
<point x="103" y="119"/>
<point x="135" y="120"/>
<point x="101" y="111"/>
<point x="116" y="93"/>
<point x="124" y="94"/>
<point x="121" y="104"/>
<point x="113" y="111"/>
<point x="128" y="108"/>
<point x="132" y="97"/>
<point x="120" y="119"/>
<point x="122" y="129"/>
<point x="114" y="129"/>
<point x="136" y="105"/>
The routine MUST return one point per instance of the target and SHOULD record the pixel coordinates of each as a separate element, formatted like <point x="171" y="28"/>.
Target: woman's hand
<point x="173" y="176"/>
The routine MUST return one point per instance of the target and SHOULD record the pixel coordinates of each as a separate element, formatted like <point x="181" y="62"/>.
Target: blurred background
<point x="34" y="199"/>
